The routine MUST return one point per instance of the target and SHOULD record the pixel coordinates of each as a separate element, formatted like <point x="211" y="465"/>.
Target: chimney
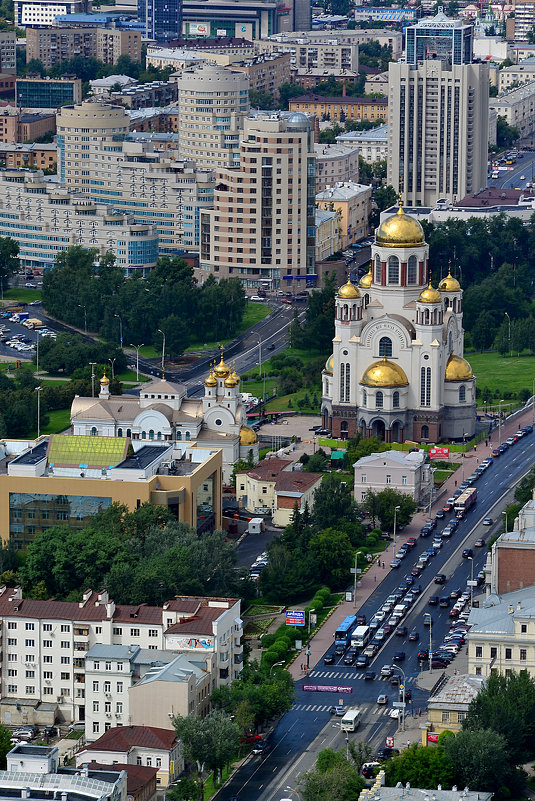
<point x="518" y="606"/>
<point x="510" y="610"/>
<point x="110" y="609"/>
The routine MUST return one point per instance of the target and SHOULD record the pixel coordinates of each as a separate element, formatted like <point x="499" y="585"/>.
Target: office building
<point x="385" y="14"/>
<point x="8" y="57"/>
<point x="437" y="130"/>
<point x="262" y="224"/>
<point x="400" y="375"/>
<point x="47" y="92"/>
<point x="247" y="19"/>
<point x="161" y="19"/>
<point x="21" y="126"/>
<point x="353" y="203"/>
<point x="45" y="219"/>
<point x="335" y="164"/>
<point x="44" y="12"/>
<point x="339" y="109"/>
<point x="212" y="103"/>
<point x="441" y="38"/>
<point x="53" y="45"/>
<point x="53" y="639"/>
<point x="132" y="175"/>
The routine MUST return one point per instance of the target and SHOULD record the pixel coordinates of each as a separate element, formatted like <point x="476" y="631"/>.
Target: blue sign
<point x="295" y="618"/>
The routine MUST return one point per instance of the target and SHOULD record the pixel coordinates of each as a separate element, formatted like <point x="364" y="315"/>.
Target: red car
<point x="411" y="542"/>
<point x="454" y="612"/>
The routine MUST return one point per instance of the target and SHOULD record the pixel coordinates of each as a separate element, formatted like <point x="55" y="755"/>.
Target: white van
<point x="351" y="720"/>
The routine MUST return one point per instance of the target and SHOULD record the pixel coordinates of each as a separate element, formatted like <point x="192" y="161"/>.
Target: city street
<point x="309" y="727"/>
<point x="517" y="178"/>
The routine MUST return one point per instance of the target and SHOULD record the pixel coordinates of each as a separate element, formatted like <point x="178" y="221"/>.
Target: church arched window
<point x="426" y="317"/>
<point x="462" y="394"/>
<point x="119" y="432"/>
<point x="377" y="270"/>
<point x="188" y="436"/>
<point x="425" y="432"/>
<point x="179" y="435"/>
<point x="450" y="342"/>
<point x="412" y="270"/>
<point x="94" y="432"/>
<point x="395" y="400"/>
<point x="385" y="347"/>
<point x="379" y="399"/>
<point x="393" y="270"/>
<point x="151" y="434"/>
<point x="364" y="398"/>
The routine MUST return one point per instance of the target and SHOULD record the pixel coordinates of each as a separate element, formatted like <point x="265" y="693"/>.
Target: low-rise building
<point x="61" y="218"/>
<point x="101" y="87"/>
<point x="353" y="203"/>
<point x="372" y="145"/>
<point x="141" y="745"/>
<point x="517" y="106"/>
<point x="335" y="164"/>
<point x="20" y="126"/>
<point x="517" y="74"/>
<point x="146" y="95"/>
<point x="397" y="470"/>
<point x="311" y="77"/>
<point x="377" y="83"/>
<point x="43" y="157"/>
<point x="447" y="709"/>
<point x="47" y="92"/>
<point x="221" y="50"/>
<point x="484" y="204"/>
<point x="327" y="234"/>
<point x="382" y="793"/>
<point x="341" y="108"/>
<point x="274" y="485"/>
<point x="140" y="779"/>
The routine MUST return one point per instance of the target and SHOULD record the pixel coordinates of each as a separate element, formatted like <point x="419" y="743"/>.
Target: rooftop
<point x="457" y="693"/>
<point x="145" y="456"/>
<point x="408" y="793"/>
<point x="374" y="134"/>
<point x="333" y="151"/>
<point x="123" y="738"/>
<point x="137" y="775"/>
<point x="33" y="456"/>
<point x="180" y="669"/>
<point x="342" y="191"/>
<point x="494" y="196"/>
<point x="350" y="101"/>
<point x="497" y="613"/>
<point x="411" y="460"/>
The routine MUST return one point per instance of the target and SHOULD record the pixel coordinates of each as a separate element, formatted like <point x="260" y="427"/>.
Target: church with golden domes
<point x="164" y="413"/>
<point x="397" y="370"/>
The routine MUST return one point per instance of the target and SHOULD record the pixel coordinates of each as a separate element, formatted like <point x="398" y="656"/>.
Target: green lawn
<point x="254" y="312"/>
<point x="306" y="356"/>
<point x="503" y="374"/>
<point x="21" y="293"/>
<point x="256" y="388"/>
<point x="130" y="375"/>
<point x="59" y="420"/>
<point x="282" y="404"/>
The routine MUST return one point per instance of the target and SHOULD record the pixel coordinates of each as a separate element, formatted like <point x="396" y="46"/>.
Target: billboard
<point x="199" y="29"/>
<point x="322" y="688"/>
<point x="221" y="32"/>
<point x="439" y="453"/>
<point x="295" y="618"/>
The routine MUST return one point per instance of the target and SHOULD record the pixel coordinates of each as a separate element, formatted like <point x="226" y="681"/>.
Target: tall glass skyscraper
<point x="441" y="38"/>
<point x="162" y="18"/>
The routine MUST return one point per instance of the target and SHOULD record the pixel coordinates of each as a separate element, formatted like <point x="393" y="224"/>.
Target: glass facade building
<point x="30" y="513"/>
<point x="439" y="38"/>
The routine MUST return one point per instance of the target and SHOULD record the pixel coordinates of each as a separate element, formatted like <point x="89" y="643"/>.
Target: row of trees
<point x="89" y="69"/>
<point x="143" y="556"/>
<point x="76" y="291"/>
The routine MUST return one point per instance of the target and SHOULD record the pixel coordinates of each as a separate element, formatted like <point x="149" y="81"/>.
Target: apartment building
<point x="43" y="157"/>
<point x="45" y="219"/>
<point x="327" y="233"/>
<point x="520" y="26"/>
<point x="437" y="130"/>
<point x="512" y="557"/>
<point x="45" y="647"/>
<point x="335" y="164"/>
<point x="146" y="95"/>
<point x="47" y="93"/>
<point x="262" y="224"/>
<point x="521" y="73"/>
<point x="517" y="106"/>
<point x="8" y="52"/>
<point x="329" y="56"/>
<point x="221" y="50"/>
<point x="21" y="126"/>
<point x="372" y="145"/>
<point x="266" y="72"/>
<point x="53" y="45"/>
<point x="338" y="109"/>
<point x="344" y="38"/>
<point x="212" y="103"/>
<point x="96" y="157"/>
<point x="352" y="201"/>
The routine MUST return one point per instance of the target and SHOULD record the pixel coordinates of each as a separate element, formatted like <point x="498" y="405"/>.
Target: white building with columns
<point x="397" y="369"/>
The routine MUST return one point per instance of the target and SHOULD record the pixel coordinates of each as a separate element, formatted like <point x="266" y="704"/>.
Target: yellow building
<point x="447" y="709"/>
<point x="341" y="108"/>
<point x="327" y="233"/>
<point x="352" y="202"/>
<point x="66" y="479"/>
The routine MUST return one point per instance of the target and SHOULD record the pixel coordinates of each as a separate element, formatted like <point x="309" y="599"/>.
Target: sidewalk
<point x="323" y="639"/>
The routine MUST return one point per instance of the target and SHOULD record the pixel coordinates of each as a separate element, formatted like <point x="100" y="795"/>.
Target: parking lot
<point x="17" y="341"/>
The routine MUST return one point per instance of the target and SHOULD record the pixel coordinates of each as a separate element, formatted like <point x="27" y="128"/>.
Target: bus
<point x="466" y="500"/>
<point x="342" y="635"/>
<point x="360" y="636"/>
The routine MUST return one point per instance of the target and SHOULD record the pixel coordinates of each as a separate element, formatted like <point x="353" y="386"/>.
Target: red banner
<point x="439" y="453"/>
<point x="432" y="737"/>
<point x="318" y="688"/>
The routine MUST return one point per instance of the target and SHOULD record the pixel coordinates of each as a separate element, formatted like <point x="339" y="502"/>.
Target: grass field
<point x="503" y="374"/>
<point x="21" y="293"/>
<point x="282" y="404"/>
<point x="130" y="375"/>
<point x="59" y="420"/>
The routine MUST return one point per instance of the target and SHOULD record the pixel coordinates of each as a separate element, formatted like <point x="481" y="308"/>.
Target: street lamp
<point x="500" y="422"/>
<point x="396" y="510"/>
<point x="163" y="351"/>
<point x="505" y="515"/>
<point x="275" y="664"/>
<point x="93" y="364"/>
<point x="120" y="328"/>
<point x="38" y="390"/>
<point x="137" y="347"/>
<point x="509" y="321"/>
<point x="259" y="355"/>
<point x="397" y="667"/>
<point x="37" y="354"/>
<point x="81" y="306"/>
<point x="112" y="362"/>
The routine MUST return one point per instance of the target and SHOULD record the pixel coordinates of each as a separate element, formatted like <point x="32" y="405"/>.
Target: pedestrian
<point x="375" y="578"/>
<point x="455" y="483"/>
<point x="486" y="443"/>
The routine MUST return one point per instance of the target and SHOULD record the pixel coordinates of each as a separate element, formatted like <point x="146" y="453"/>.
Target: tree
<point x="385" y="196"/>
<point x="9" y="253"/>
<point x="209" y="742"/>
<point x="260" y="99"/>
<point x="333" y="503"/>
<point x="5" y="745"/>
<point x="421" y="767"/>
<point x="177" y="335"/>
<point x="333" y="554"/>
<point x="382" y="505"/>
<point x="259" y="695"/>
<point x="505" y="134"/>
<point x="480" y="758"/>
<point x="334" y="778"/>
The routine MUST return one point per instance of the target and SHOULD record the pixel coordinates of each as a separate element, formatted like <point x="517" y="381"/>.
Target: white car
<point x="394" y="714"/>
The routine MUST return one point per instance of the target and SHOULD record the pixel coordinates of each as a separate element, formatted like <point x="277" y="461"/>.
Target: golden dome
<point x="348" y="291"/>
<point x="105" y="380"/>
<point x="233" y="379"/>
<point x="211" y="381"/>
<point x="366" y="280"/>
<point x="384" y="374"/>
<point x="458" y="369"/>
<point x="399" y="231"/>
<point x="449" y="283"/>
<point x="222" y="370"/>
<point x="329" y="365"/>
<point x="429" y="295"/>
<point x="248" y="436"/>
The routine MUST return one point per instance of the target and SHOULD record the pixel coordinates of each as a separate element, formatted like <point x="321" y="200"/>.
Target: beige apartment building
<point x="517" y="106"/>
<point x="330" y="56"/>
<point x="212" y="102"/>
<point x="336" y="39"/>
<point x="334" y="164"/>
<point x="267" y="72"/>
<point x="262" y="224"/>
<point x="352" y="201"/>
<point x="516" y="74"/>
<point x="53" y="45"/>
<point x="20" y="126"/>
<point x="519" y="26"/>
<point x="437" y="130"/>
<point x="327" y="234"/>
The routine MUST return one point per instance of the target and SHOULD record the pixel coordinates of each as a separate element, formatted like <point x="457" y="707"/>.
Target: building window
<point x="134" y="632"/>
<point x="385" y="347"/>
<point x="96" y="727"/>
<point x="388" y="479"/>
<point x="364" y="397"/>
<point x="479" y="651"/>
<point x="478" y="671"/>
<point x="404" y="480"/>
<point x="95" y="706"/>
<point x="379" y="400"/>
<point x="523" y="628"/>
<point x="363" y="478"/>
<point x="462" y="394"/>
<point x="377" y="270"/>
<point x="412" y="265"/>
<point x="523" y="655"/>
<point x="393" y="270"/>
<point x="95" y="686"/>
<point x="425" y="432"/>
<point x="107" y="686"/>
<point x="461" y="716"/>
<point x="508" y="653"/>
<point x="445" y="717"/>
<point x="493" y="652"/>
<point x="395" y="400"/>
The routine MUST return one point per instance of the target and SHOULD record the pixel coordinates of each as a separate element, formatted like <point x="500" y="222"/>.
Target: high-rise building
<point x="262" y="226"/>
<point x="44" y="12"/>
<point x="438" y="118"/>
<point x="212" y="103"/>
<point x="162" y="18"/>
<point x="96" y="156"/>
<point x="8" y="58"/>
<point x="439" y="37"/>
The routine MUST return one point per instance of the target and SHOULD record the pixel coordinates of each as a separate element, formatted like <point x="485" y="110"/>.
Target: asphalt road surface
<point x="512" y="179"/>
<point x="309" y="727"/>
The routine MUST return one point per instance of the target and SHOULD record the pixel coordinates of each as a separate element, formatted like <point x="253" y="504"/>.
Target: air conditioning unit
<point x="48" y="681"/>
<point x="60" y="699"/>
<point x="108" y="695"/>
<point x="108" y="714"/>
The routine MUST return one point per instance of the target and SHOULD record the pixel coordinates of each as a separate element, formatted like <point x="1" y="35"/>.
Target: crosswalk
<point x="373" y="709"/>
<point x="353" y="675"/>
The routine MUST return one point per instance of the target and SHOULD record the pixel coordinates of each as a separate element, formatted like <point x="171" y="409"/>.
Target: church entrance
<point x="378" y="429"/>
<point x="397" y="429"/>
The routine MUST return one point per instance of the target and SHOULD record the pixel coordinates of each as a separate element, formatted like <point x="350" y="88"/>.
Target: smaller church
<point x="164" y="413"/>
<point x="398" y="370"/>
